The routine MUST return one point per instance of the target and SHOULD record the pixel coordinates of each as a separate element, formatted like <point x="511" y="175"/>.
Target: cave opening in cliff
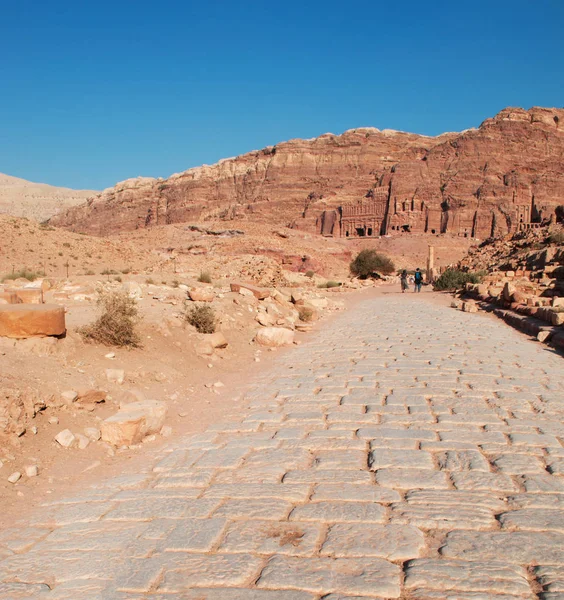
<point x="360" y="231"/>
<point x="406" y="228"/>
<point x="369" y="232"/>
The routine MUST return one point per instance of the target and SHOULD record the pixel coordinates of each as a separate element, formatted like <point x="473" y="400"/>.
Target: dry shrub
<point x="116" y="325"/>
<point x="22" y="274"/>
<point x="202" y="317"/>
<point x="205" y="277"/>
<point x="306" y="314"/>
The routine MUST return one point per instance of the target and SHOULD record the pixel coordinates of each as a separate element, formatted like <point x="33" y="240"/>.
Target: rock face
<point x="31" y="320"/>
<point x="505" y="174"/>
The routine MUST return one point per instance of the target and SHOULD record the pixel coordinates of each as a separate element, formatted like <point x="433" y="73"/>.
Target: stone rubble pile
<point x="525" y="284"/>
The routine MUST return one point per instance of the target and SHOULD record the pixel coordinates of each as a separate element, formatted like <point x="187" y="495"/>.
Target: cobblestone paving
<point x="408" y="451"/>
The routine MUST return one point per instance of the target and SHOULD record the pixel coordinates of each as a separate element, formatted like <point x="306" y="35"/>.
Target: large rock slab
<point x="133" y="422"/>
<point x="260" y="293"/>
<point x="35" y="320"/>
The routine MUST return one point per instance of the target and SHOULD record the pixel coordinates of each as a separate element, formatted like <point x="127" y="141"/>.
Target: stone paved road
<point x="409" y="451"/>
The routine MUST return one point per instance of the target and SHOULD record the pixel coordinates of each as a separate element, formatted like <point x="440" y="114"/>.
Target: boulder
<point x="557" y="318"/>
<point x="456" y="303"/>
<point x="260" y="293"/>
<point x="265" y="319"/>
<point x="275" y="336"/>
<point x="38" y="320"/>
<point x="201" y="294"/>
<point x="133" y="422"/>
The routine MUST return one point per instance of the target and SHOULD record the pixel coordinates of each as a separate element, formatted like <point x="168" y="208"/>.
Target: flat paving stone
<point x="451" y="577"/>
<point x="343" y="512"/>
<point x="365" y="577"/>
<point x="393" y="542"/>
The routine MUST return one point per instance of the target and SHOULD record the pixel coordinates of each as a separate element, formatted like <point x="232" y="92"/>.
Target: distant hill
<point x="38" y="201"/>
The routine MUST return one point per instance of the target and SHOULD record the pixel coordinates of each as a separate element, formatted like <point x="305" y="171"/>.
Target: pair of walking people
<point x="417" y="281"/>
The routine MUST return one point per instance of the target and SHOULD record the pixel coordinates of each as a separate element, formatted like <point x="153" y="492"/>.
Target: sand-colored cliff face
<point x="478" y="176"/>
<point x="39" y="201"/>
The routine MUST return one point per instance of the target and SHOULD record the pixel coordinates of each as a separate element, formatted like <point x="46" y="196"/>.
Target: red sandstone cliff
<point x="476" y="181"/>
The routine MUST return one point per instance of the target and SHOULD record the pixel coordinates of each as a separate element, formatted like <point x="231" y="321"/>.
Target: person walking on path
<point x="418" y="279"/>
<point x="404" y="284"/>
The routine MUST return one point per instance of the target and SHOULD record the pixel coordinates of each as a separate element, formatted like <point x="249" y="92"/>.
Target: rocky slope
<point x="475" y="181"/>
<point x="39" y="201"/>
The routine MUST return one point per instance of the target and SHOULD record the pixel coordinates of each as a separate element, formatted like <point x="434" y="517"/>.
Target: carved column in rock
<point x="431" y="265"/>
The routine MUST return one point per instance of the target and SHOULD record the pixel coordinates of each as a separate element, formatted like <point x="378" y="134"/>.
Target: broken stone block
<point x="217" y="340"/>
<point x="260" y="293"/>
<point x="557" y="318"/>
<point x="37" y="320"/>
<point x="543" y="335"/>
<point x="65" y="438"/>
<point x="275" y="336"/>
<point x="32" y="471"/>
<point x="92" y="433"/>
<point x="201" y="294"/>
<point x="15" y="477"/>
<point x="115" y="375"/>
<point x="82" y="440"/>
<point x="133" y="422"/>
<point x="469" y="307"/>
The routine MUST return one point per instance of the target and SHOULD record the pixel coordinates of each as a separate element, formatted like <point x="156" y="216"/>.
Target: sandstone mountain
<point x="507" y="174"/>
<point x="39" y="201"/>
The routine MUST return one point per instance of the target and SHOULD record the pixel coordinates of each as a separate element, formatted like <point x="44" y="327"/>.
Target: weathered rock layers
<point x="509" y="171"/>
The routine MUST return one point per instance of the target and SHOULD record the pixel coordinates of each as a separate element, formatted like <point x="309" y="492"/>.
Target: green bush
<point x="369" y="263"/>
<point x="22" y="274"/>
<point x="202" y="317"/>
<point x="205" y="277"/>
<point x="175" y="283"/>
<point x="116" y="325"/>
<point x="310" y="274"/>
<point x="149" y="281"/>
<point x="454" y="279"/>
<point x="330" y="284"/>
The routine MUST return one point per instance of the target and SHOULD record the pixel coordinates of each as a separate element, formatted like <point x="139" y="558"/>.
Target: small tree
<point x="116" y="325"/>
<point x="202" y="317"/>
<point x="369" y="263"/>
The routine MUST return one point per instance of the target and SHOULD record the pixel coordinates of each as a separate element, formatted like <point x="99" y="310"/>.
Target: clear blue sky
<point x="92" y="93"/>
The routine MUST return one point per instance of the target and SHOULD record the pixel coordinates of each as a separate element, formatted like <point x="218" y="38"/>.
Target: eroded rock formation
<point x="507" y="174"/>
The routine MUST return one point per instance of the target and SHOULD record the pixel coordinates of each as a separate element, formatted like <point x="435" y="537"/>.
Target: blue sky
<point x="92" y="93"/>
